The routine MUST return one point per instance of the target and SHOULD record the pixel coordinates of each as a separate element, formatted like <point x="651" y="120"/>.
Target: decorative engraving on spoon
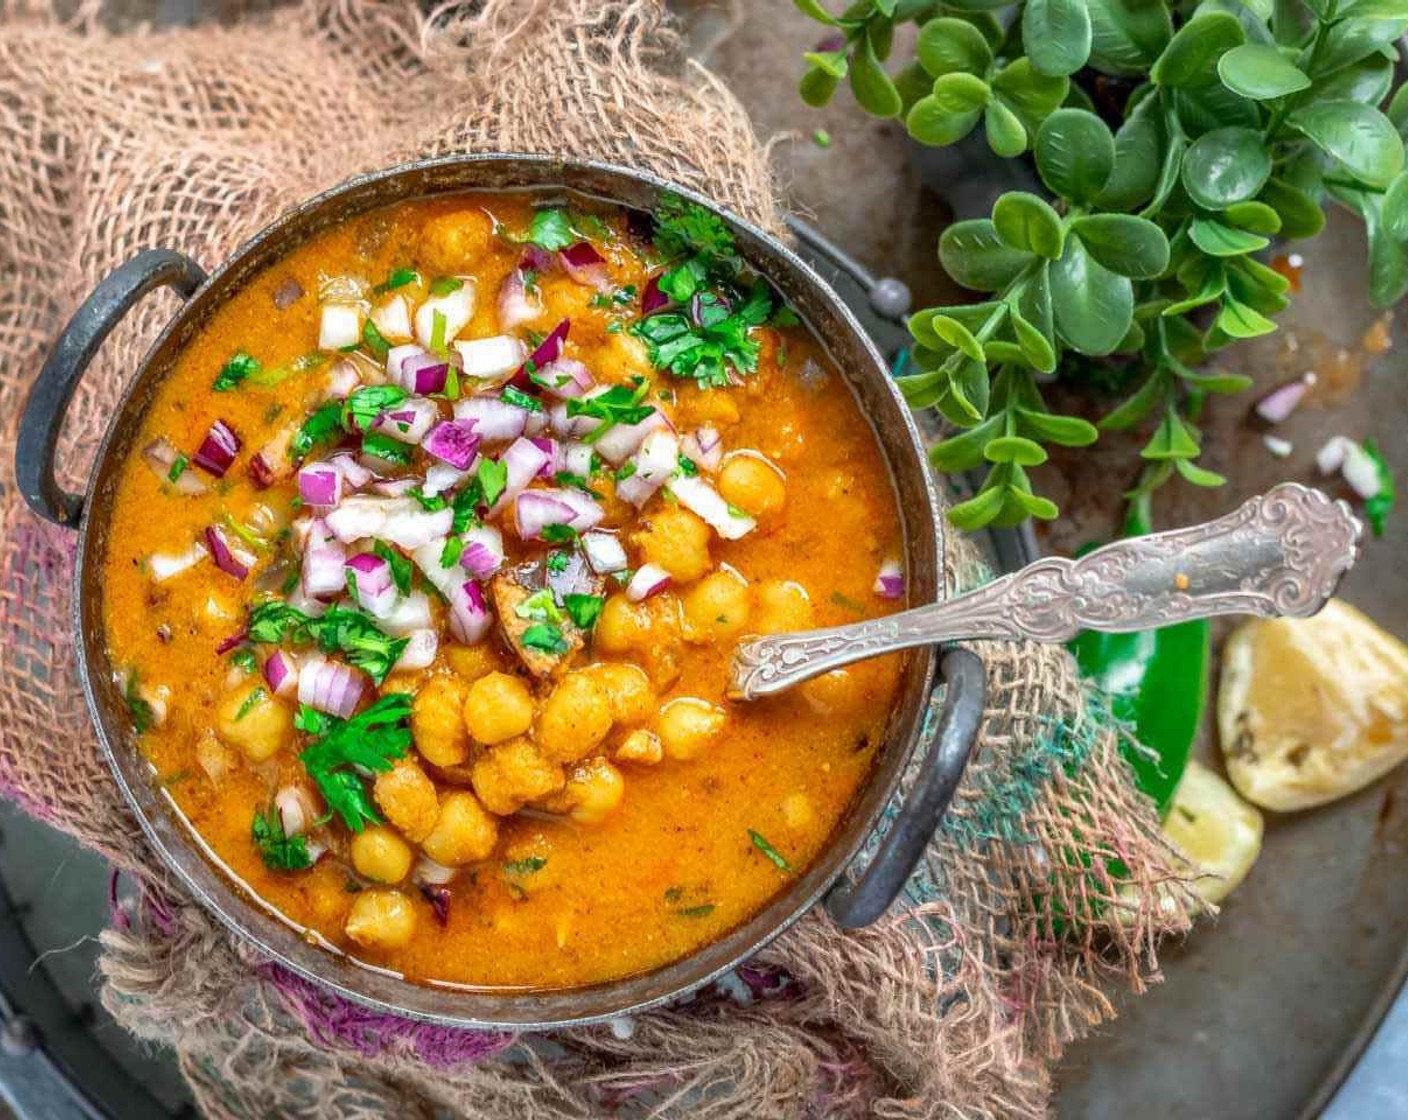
<point x="1280" y="554"/>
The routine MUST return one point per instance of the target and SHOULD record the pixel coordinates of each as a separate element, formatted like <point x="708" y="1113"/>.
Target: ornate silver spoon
<point x="1282" y="553"/>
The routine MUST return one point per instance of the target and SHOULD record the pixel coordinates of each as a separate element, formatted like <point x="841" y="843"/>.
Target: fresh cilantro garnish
<point x="1377" y="508"/>
<point x="530" y="280"/>
<point x="686" y="229"/>
<point x="621" y="297"/>
<point x="375" y="341"/>
<point x="558" y="534"/>
<point x="384" y="447"/>
<point x="444" y="285"/>
<point x="521" y="399"/>
<point x="143" y="717"/>
<point x="620" y="404"/>
<point x="279" y="852"/>
<point x="364" y="405"/>
<point x="400" y="567"/>
<point x="254" y="697"/>
<point x="682" y="282"/>
<point x="547" y="638"/>
<point x="492" y="477"/>
<point x="539" y="607"/>
<point x="625" y="470"/>
<point x="777" y="858"/>
<point x="431" y="503"/>
<point x="178" y="468"/>
<point x="575" y="482"/>
<point x="711" y="347"/>
<point x="783" y="316"/>
<point x="703" y="910"/>
<point x="557" y="562"/>
<point x="688" y="467"/>
<point x="398" y="278"/>
<point x="243" y="659"/>
<point x="369" y="741"/>
<point x="526" y="866"/>
<point x="451" y="553"/>
<point x="551" y="230"/>
<point x="233" y="372"/>
<point x="466" y="507"/>
<point x="270" y="376"/>
<point x="583" y="609"/>
<point x="438" y="327"/>
<point x="341" y="630"/>
<point x="323" y="426"/>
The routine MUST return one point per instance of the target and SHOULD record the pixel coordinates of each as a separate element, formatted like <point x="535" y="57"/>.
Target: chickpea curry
<point x="423" y="588"/>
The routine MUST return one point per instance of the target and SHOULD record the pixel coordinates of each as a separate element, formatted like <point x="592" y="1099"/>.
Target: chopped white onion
<point x="323" y="561"/>
<point x="457" y="307"/>
<point x="164" y="566"/>
<point x="483" y="553"/>
<point x="375" y="589"/>
<point x="330" y="686"/>
<point x="577" y="458"/>
<point x="658" y="457"/>
<point x="409" y="421"/>
<point x="393" y="319"/>
<point x="440" y="477"/>
<point x="889" y="581"/>
<point x="647" y="580"/>
<point x="492" y="418"/>
<point x="411" y="613"/>
<point x="420" y="651"/>
<point x="523" y="460"/>
<point x="397" y="357"/>
<point x="281" y="673"/>
<point x="621" y="440"/>
<point x="492" y="360"/>
<point x="294" y="813"/>
<point x="605" y="553"/>
<point x="340" y="326"/>
<point x="703" y="500"/>
<point x="401" y="521"/>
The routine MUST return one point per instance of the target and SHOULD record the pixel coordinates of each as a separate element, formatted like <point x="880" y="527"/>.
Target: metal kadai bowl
<point x="851" y="902"/>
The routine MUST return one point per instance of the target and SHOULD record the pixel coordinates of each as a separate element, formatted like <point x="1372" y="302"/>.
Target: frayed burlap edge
<point x="952" y="1006"/>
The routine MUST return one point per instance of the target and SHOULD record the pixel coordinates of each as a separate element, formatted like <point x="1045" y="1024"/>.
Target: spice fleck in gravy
<point x="423" y="588"/>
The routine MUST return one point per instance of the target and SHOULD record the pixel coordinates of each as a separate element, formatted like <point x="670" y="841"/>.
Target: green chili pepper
<point x="1157" y="681"/>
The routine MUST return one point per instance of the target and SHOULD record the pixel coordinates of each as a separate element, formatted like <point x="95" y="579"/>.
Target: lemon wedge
<point x="1218" y="832"/>
<point x="1312" y="709"/>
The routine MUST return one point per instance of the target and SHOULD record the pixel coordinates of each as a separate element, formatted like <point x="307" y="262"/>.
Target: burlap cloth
<point x="955" y="1004"/>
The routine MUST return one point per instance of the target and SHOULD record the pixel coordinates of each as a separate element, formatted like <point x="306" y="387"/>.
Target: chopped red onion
<point x="547" y="352"/>
<point x="705" y="502"/>
<point x="658" y="457"/>
<point x="636" y="490"/>
<point x="516" y="306"/>
<point x="401" y="521"/>
<point x="340" y="326"/>
<point x="491" y="361"/>
<point x="605" y="553"/>
<point x="393" y="319"/>
<point x="295" y="814"/>
<point x="537" y="509"/>
<point x="396" y="359"/>
<point x="395" y="487"/>
<point x="236" y="639"/>
<point x="330" y="687"/>
<point x="343" y="378"/>
<point x="565" y="378"/>
<point x="161" y="456"/>
<point x="353" y="473"/>
<point x="260" y="472"/>
<point x="889" y="583"/>
<point x="323" y="564"/>
<point x="620" y="441"/>
<point x="536" y="259"/>
<point x="423" y="373"/>
<point x="440" y="477"/>
<point x="225" y="557"/>
<point x="456" y="308"/>
<point x="453" y="442"/>
<point x="483" y="553"/>
<point x="218" y="450"/>
<point x="469" y="613"/>
<point x="320" y="485"/>
<point x="493" y="419"/>
<point x="439" y="899"/>
<point x="577" y="459"/>
<point x="281" y="673"/>
<point x="653" y="299"/>
<point x="552" y="450"/>
<point x="536" y="423"/>
<point x="411" y="613"/>
<point x="584" y="265"/>
<point x="375" y="587"/>
<point x="420" y="651"/>
<point x="1276" y="406"/>
<point x="523" y="461"/>
<point x="647" y="581"/>
<point x="705" y="447"/>
<point x="408" y="421"/>
<point x="163" y="566"/>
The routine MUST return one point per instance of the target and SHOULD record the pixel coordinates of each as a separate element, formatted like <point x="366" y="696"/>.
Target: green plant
<point x="1236" y="122"/>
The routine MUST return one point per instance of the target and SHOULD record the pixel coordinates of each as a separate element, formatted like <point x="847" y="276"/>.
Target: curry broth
<point x="675" y="865"/>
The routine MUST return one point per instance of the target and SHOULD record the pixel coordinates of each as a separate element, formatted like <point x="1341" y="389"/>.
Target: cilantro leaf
<point x="444" y="285"/>
<point x="559" y="534"/>
<point x="551" y="230"/>
<point x="620" y="404"/>
<point x="233" y="372"/>
<point x="398" y="278"/>
<point x="777" y="858"/>
<point x="254" y="697"/>
<point x="558" y="561"/>
<point x="492" y="477"/>
<point x="1377" y="508"/>
<point x="712" y="343"/>
<point x="539" y="607"/>
<point x="375" y="341"/>
<point x="526" y="866"/>
<point x="400" y="566"/>
<point x="178" y="468"/>
<point x="521" y="399"/>
<point x="341" y="630"/>
<point x="143" y="716"/>
<point x="687" y="229"/>
<point x="384" y="447"/>
<point x="542" y="636"/>
<point x="371" y="741"/>
<point x="583" y="609"/>
<point x="323" y="426"/>
<point x="279" y="851"/>
<point x="364" y="405"/>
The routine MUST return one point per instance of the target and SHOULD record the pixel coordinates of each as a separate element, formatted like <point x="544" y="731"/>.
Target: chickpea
<point x="381" y="919"/>
<point x="408" y="799"/>
<point x="627" y="689"/>
<point x="797" y="812"/>
<point x="250" y="719"/>
<point x="499" y="707"/>
<point x="753" y="484"/>
<point x="688" y="725"/>
<point x="576" y="717"/>
<point x="471" y="662"/>
<point x="593" y="792"/>
<point x="839" y="692"/>
<point x="437" y="722"/>
<point x="640" y="746"/>
<point x="624" y="354"/>
<point x="380" y="855"/>
<point x="621" y="626"/>
<point x="783" y="604"/>
<point x="464" y="833"/>
<point x="677" y="541"/>
<point x="717" y="607"/>
<point x="513" y="773"/>
<point x="451" y="242"/>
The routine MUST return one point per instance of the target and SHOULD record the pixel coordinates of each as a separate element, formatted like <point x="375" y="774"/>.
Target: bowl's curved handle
<point x="965" y="696"/>
<point x="48" y="401"/>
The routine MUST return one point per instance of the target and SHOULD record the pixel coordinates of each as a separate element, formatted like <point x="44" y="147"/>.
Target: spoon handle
<point x="1281" y="553"/>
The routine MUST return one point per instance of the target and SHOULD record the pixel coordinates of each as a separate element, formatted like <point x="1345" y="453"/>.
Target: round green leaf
<point x="1396" y="208"/>
<point x="1351" y="40"/>
<point x="1032" y="95"/>
<point x="950" y="112"/>
<point x="965" y="450"/>
<point x="1255" y="217"/>
<point x="1126" y="36"/>
<point x="833" y="62"/>
<point x="948" y="46"/>
<point x="1225" y="166"/>
<point x="871" y="85"/>
<point x="1359" y="136"/>
<point x="1014" y="449"/>
<point x="1007" y="135"/>
<point x="1240" y="321"/>
<point x="1126" y="245"/>
<point x="1025" y="221"/>
<point x="1301" y="215"/>
<point x="1036" y="347"/>
<point x="1075" y="154"/>
<point x="1218" y="240"/>
<point x="966" y="402"/>
<point x="1206" y="107"/>
<point x="976" y="257"/>
<point x="1068" y="431"/>
<point x="1198" y="476"/>
<point x="1056" y="35"/>
<point x="1093" y="307"/>
<point x="958" y="336"/>
<point x="1138" y="157"/>
<point x="977" y="511"/>
<point x="812" y="9"/>
<point x="817" y="87"/>
<point x="1021" y="504"/>
<point x="1198" y="45"/>
<point x="1260" y="72"/>
<point x="1367" y="81"/>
